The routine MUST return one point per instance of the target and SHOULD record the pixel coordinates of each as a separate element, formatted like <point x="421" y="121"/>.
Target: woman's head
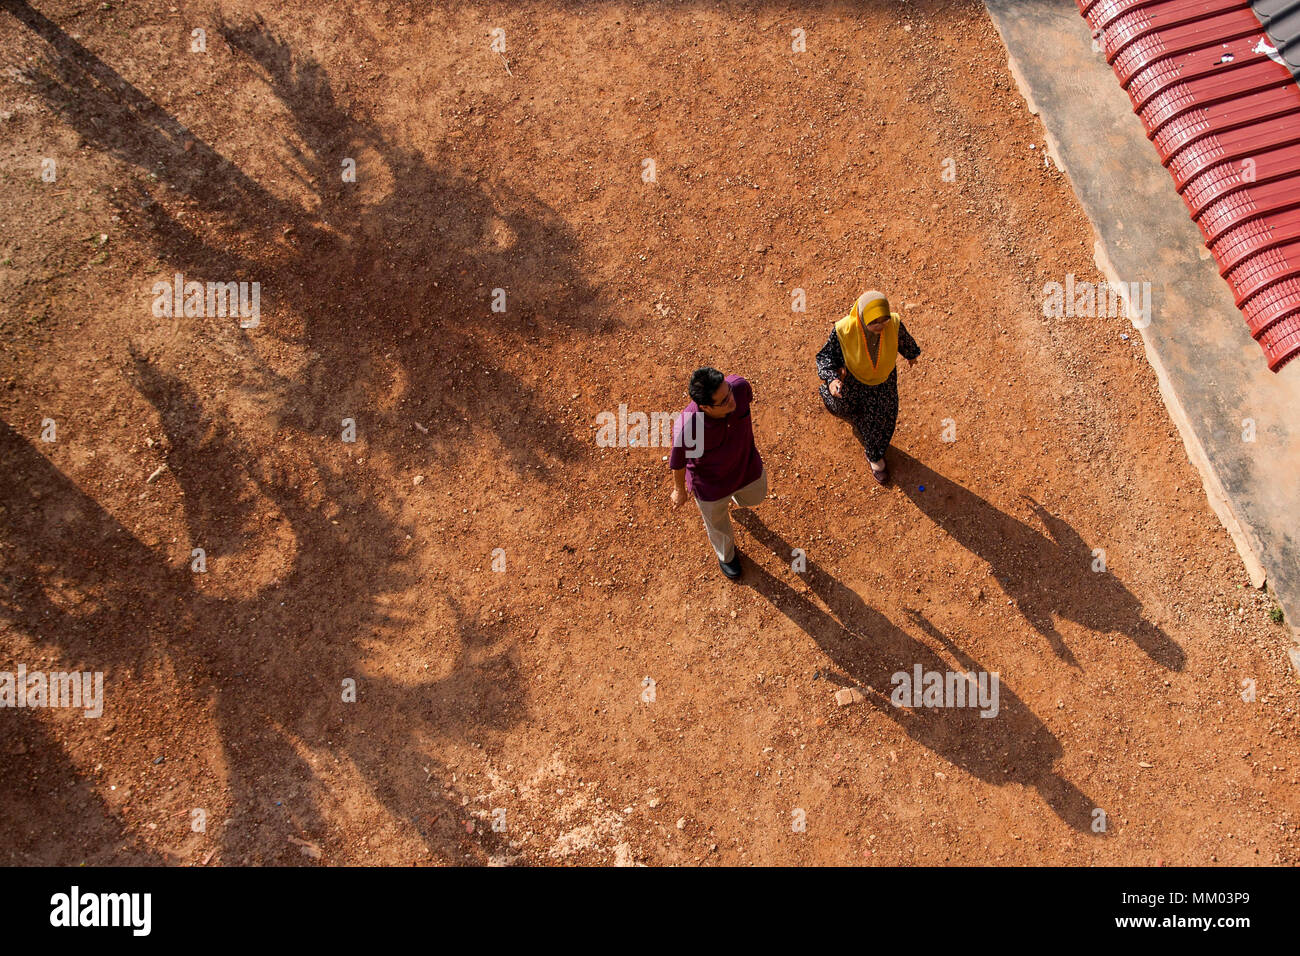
<point x="873" y="309"/>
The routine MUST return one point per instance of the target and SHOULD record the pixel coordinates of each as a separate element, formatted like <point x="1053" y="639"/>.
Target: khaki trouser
<point x="717" y="515"/>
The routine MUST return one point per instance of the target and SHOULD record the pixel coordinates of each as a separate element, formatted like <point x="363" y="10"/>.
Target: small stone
<point x="681" y="823"/>
<point x="307" y="848"/>
<point x="653" y="802"/>
<point x="159" y="759"/>
<point x="418" y="480"/>
<point x="848" y="695"/>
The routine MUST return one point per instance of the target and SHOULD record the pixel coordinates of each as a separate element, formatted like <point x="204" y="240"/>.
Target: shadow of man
<point x="1043" y="575"/>
<point x="1011" y="746"/>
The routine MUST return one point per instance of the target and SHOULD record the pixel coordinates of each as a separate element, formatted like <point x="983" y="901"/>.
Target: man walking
<point x="718" y="459"/>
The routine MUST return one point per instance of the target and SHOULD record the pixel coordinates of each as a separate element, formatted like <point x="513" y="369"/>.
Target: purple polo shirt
<point x="729" y="459"/>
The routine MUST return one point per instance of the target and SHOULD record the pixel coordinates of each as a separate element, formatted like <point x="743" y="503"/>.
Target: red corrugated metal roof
<point x="1223" y="110"/>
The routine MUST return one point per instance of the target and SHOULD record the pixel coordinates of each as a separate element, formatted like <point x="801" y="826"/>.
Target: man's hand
<point x="833" y="386"/>
<point x="680" y="494"/>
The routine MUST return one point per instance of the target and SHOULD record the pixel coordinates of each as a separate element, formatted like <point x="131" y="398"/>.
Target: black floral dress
<point x="871" y="409"/>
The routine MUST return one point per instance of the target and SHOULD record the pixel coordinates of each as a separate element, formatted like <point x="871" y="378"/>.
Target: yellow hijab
<point x="852" y="333"/>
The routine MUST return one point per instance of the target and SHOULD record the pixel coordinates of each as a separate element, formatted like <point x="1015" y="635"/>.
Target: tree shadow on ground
<point x="269" y="666"/>
<point x="1012" y="747"/>
<point x="50" y="814"/>
<point x="1043" y="575"/>
<point x="404" y="280"/>
<point x="401" y="282"/>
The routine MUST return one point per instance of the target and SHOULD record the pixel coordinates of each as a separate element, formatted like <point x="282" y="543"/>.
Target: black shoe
<point x="731" y="568"/>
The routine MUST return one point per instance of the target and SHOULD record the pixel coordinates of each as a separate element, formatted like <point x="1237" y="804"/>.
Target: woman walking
<point x="860" y="381"/>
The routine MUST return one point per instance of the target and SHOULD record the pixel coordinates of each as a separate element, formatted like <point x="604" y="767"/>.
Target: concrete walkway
<point x="1212" y="375"/>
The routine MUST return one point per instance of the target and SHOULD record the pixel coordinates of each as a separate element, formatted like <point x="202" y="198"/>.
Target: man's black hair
<point x="704" y="382"/>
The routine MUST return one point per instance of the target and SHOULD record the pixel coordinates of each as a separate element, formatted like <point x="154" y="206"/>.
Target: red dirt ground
<point x="522" y="690"/>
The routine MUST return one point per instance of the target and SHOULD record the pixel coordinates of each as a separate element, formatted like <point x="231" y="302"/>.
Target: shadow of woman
<point x="1045" y="576"/>
<point x="1011" y="746"/>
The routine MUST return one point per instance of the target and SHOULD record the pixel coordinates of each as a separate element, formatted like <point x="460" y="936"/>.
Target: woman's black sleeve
<point x="830" y="359"/>
<point x="907" y="346"/>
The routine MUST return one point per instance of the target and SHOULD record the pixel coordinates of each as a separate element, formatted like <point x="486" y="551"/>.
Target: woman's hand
<point x="833" y="386"/>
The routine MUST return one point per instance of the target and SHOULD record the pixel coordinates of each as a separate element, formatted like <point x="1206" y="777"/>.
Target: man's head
<point x="710" y="391"/>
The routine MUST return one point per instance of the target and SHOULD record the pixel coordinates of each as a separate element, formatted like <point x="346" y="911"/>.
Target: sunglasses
<point x="721" y="403"/>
